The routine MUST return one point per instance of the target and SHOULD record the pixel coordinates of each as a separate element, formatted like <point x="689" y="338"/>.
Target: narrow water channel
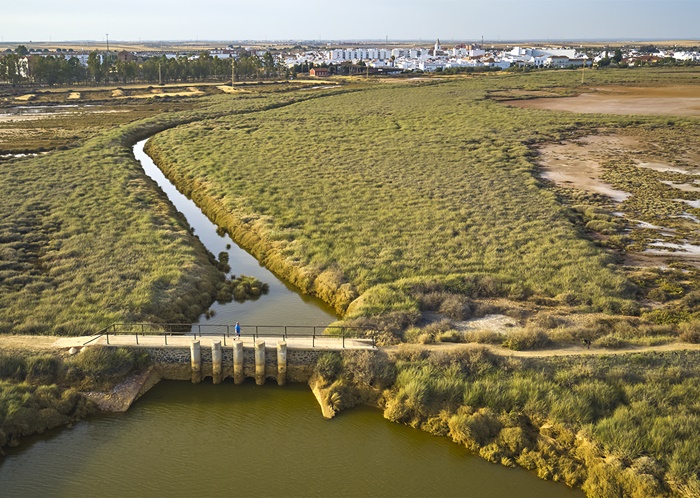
<point x="184" y="440"/>
<point x="283" y="305"/>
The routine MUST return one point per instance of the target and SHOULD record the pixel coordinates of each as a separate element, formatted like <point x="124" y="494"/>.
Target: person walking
<point x="237" y="328"/>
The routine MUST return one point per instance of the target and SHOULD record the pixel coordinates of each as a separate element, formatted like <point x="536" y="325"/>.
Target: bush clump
<point x="241" y="289"/>
<point x="525" y="339"/>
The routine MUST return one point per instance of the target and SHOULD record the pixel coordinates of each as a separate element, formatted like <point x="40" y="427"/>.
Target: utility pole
<point x="233" y="71"/>
<point x="160" y="76"/>
<point x="107" y="35"/>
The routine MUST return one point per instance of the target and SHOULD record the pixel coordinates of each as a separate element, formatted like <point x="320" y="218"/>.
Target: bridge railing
<point x="166" y="330"/>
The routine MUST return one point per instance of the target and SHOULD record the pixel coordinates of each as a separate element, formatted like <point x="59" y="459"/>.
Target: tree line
<point x="62" y="69"/>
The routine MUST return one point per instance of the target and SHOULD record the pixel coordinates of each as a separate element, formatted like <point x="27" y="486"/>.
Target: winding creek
<point x="217" y="440"/>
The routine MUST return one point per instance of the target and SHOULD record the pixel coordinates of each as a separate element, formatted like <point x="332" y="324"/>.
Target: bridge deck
<point x="183" y="341"/>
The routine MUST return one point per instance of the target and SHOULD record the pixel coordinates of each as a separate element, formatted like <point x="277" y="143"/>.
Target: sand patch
<point x="662" y="167"/>
<point x="230" y="89"/>
<point x="685" y="187"/>
<point x="159" y="93"/>
<point x="663" y="101"/>
<point x="117" y="93"/>
<point x="26" y="98"/>
<point x="73" y="96"/>
<point x="497" y="323"/>
<point x="578" y="164"/>
<point x="694" y="204"/>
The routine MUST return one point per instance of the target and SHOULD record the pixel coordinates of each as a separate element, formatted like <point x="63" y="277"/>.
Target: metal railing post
<point x="224" y="339"/>
<point x="137" y="338"/>
<point x="108" y="338"/>
<point x="165" y="336"/>
<point x="313" y="339"/>
<point x="343" y="333"/>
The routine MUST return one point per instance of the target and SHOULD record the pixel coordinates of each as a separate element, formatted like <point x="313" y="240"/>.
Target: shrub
<point x="483" y="336"/>
<point x="12" y="367"/>
<point x="525" y="339"/>
<point x="328" y="366"/>
<point x="457" y="307"/>
<point x="513" y="440"/>
<point x="612" y="341"/>
<point x="474" y="430"/>
<point x="425" y="338"/>
<point x="547" y="321"/>
<point x="367" y="368"/>
<point x="43" y="369"/>
<point x="450" y="336"/>
<point x="690" y="332"/>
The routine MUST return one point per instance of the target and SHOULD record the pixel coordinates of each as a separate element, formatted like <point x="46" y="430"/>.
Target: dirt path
<point x="566" y="351"/>
<point x="27" y="342"/>
<point x="43" y="343"/>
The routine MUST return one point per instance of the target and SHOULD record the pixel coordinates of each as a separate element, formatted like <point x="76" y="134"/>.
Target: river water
<point x="205" y="440"/>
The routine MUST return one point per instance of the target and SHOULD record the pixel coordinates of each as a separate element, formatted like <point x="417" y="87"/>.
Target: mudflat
<point x="680" y="100"/>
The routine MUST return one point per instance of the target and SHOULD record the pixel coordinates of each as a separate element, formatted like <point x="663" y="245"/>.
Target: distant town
<point x="25" y="64"/>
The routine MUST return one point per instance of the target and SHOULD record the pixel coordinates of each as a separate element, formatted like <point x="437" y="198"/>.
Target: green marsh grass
<point x="86" y="239"/>
<point x="630" y="424"/>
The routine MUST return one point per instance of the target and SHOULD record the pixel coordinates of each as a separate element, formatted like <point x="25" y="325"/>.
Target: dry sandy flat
<point x="578" y="164"/>
<point x="666" y="101"/>
<point x="73" y="96"/>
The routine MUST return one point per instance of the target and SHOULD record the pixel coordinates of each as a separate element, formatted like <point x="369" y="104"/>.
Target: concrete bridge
<point x="182" y="357"/>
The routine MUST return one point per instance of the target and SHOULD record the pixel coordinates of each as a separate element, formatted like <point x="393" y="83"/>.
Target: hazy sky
<point x="44" y="20"/>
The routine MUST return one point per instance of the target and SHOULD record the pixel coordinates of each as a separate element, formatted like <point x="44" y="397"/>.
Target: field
<point x="86" y="238"/>
<point x="390" y="200"/>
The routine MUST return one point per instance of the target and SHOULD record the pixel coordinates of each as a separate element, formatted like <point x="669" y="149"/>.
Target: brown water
<point x="204" y="440"/>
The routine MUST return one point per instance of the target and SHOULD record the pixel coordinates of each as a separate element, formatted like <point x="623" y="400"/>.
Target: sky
<point x="132" y="20"/>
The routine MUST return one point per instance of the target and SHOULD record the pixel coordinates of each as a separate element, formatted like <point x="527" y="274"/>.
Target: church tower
<point x="437" y="46"/>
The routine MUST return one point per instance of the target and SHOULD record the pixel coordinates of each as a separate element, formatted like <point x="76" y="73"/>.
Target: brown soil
<point x="666" y="101"/>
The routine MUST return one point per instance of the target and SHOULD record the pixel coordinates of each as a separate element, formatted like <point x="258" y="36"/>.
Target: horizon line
<point x="360" y="40"/>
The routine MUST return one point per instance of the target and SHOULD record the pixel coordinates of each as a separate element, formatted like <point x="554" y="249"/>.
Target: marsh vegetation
<point x="87" y="239"/>
<point x="610" y="425"/>
<point x="375" y="199"/>
<point x="40" y="391"/>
